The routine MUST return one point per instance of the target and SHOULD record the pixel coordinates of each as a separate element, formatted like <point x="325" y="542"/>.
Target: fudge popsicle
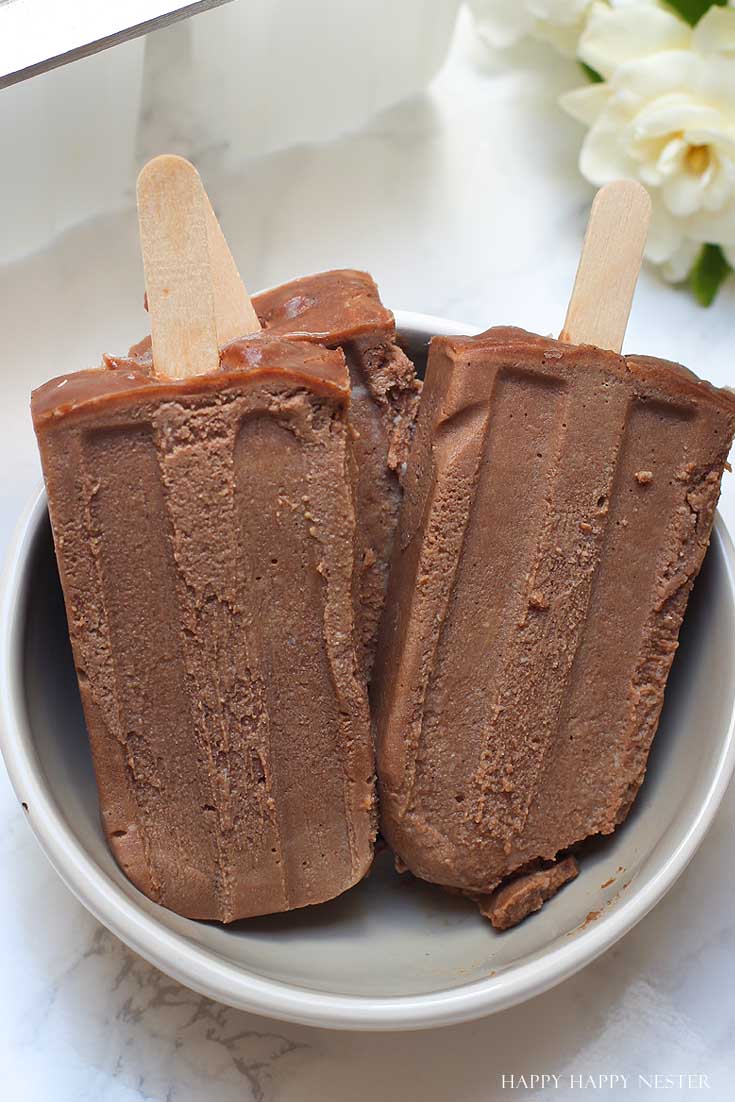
<point x="203" y="515"/>
<point x="342" y="309"/>
<point x="558" y="506"/>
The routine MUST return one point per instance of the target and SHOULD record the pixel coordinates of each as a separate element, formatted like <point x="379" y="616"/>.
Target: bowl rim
<point x="201" y="969"/>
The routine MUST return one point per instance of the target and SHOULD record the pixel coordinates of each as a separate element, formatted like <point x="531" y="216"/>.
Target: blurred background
<point x="387" y="136"/>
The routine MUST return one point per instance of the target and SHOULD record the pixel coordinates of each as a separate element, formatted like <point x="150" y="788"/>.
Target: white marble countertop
<point x="465" y="203"/>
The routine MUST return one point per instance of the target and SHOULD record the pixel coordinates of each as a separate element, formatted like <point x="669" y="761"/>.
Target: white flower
<point x="665" y="115"/>
<point x="503" y="22"/>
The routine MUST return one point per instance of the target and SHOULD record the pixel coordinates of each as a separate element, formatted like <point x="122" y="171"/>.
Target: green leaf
<point x="591" y="73"/>
<point x="710" y="271"/>
<point x="693" y="10"/>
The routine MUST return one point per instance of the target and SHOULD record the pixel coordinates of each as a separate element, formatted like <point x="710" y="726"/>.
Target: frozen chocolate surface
<point x="521" y="896"/>
<point x="558" y="505"/>
<point x="204" y="530"/>
<point x="342" y="309"/>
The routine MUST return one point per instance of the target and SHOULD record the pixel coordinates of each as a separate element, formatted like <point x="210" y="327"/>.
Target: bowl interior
<point x="392" y="935"/>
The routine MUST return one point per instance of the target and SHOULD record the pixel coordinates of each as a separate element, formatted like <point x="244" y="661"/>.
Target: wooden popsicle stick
<point x="178" y="260"/>
<point x="233" y="310"/>
<point x="172" y="214"/>
<point x="611" y="259"/>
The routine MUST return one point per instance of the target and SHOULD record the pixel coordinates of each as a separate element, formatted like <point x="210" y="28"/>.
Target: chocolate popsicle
<point x="558" y="506"/>
<point x="204" y="529"/>
<point x="342" y="309"/>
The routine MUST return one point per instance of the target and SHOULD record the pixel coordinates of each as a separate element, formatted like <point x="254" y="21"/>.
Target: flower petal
<point x="721" y="187"/>
<point x="673" y="114"/>
<point x="665" y="235"/>
<point x="613" y="37"/>
<point x="716" y="226"/>
<point x="604" y="156"/>
<point x="585" y="104"/>
<point x="715" y="32"/>
<point x="659" y="74"/>
<point x="683" y="193"/>
<point x="671" y="157"/>
<point x="680" y="264"/>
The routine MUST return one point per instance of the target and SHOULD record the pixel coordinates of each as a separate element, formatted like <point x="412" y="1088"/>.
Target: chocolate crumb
<point x="512" y="902"/>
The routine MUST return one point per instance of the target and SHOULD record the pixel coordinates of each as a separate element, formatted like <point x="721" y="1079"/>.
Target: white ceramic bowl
<point x="393" y="953"/>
